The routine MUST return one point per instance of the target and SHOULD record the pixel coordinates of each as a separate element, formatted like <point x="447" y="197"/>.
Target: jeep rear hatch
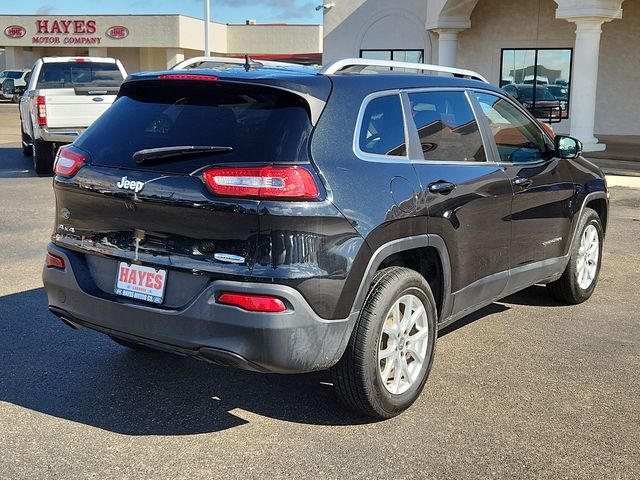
<point x="178" y="168"/>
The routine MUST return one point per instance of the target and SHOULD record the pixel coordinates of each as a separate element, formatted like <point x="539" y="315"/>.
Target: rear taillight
<point x="261" y="182"/>
<point x="41" y="106"/>
<point x="253" y="303"/>
<point x="54" y="261"/>
<point x="68" y="161"/>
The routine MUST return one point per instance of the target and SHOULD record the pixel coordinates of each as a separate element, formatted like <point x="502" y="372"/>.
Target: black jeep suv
<point x="283" y="219"/>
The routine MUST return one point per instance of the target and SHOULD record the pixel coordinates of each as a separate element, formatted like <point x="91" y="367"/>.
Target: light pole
<point x="207" y="16"/>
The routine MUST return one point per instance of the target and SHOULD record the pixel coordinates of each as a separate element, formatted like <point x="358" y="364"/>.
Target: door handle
<point x="522" y="181"/>
<point x="441" y="187"/>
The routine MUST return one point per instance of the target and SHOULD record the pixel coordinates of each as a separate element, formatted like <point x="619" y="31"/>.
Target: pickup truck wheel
<point x="581" y="275"/>
<point x="133" y="346"/>
<point x="391" y="349"/>
<point x="43" y="157"/>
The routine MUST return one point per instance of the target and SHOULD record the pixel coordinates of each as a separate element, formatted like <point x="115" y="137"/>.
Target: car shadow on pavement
<point x="13" y="164"/>
<point x="535" y="296"/>
<point x="84" y="377"/>
<point x="472" y="317"/>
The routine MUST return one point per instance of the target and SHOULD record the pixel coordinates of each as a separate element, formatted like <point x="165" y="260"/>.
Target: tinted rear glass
<point x="261" y="124"/>
<point x="79" y="74"/>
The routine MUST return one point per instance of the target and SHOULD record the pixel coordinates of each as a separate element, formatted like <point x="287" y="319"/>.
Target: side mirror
<point x="8" y="87"/>
<point x="567" y="147"/>
<point x="19" y="90"/>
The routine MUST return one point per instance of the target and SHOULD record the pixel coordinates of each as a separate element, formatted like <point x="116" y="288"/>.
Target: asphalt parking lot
<point x="525" y="388"/>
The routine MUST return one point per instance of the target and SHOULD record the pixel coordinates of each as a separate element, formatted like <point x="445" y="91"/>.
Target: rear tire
<point x="132" y="345"/>
<point x="391" y="349"/>
<point x="43" y="153"/>
<point x="581" y="275"/>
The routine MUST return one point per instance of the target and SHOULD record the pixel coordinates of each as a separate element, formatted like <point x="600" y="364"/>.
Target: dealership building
<point x="588" y="49"/>
<point x="583" y="52"/>
<point x="149" y="42"/>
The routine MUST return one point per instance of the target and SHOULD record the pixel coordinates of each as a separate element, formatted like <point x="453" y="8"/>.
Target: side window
<point x="518" y="139"/>
<point x="446" y="126"/>
<point x="382" y="130"/>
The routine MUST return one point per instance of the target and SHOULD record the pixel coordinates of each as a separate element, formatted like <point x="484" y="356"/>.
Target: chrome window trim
<point x="374" y="157"/>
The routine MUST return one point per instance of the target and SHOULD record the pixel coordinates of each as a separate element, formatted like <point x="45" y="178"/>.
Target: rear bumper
<point x="294" y="341"/>
<point x="59" y="135"/>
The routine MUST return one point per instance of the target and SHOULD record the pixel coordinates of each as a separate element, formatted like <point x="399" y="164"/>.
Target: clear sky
<point x="223" y="11"/>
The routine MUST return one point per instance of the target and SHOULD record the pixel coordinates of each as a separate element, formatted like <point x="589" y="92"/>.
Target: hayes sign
<point x="66" y="32"/>
<point x="77" y="27"/>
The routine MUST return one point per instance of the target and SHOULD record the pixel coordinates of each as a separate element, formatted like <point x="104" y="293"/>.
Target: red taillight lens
<point x="54" y="261"/>
<point x="253" y="303"/>
<point x="186" y="76"/>
<point x="261" y="182"/>
<point x="41" y="106"/>
<point x="68" y="161"/>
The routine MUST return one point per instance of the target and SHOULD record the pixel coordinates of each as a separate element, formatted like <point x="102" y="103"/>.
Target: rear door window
<point x="79" y="74"/>
<point x="382" y="128"/>
<point x="260" y="124"/>
<point x="446" y="126"/>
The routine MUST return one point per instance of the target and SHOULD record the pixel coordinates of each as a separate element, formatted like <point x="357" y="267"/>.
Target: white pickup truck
<point x="64" y="96"/>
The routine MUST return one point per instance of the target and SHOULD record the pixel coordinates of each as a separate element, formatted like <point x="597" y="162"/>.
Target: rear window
<point x="542" y="93"/>
<point x="10" y="74"/>
<point x="79" y="74"/>
<point x="260" y="124"/>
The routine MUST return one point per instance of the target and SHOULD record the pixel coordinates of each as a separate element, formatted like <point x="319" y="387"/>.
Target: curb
<point x="623" y="181"/>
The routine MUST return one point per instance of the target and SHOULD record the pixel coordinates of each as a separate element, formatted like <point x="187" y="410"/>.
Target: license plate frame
<point x="140" y="282"/>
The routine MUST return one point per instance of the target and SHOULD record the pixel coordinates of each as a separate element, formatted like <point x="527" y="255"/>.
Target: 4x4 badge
<point x="130" y="184"/>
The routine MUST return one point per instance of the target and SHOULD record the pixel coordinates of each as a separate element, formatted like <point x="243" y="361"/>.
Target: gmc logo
<point x="117" y="32"/>
<point x="15" y="31"/>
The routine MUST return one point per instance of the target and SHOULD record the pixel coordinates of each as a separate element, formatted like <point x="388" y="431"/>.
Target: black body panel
<point x="474" y="221"/>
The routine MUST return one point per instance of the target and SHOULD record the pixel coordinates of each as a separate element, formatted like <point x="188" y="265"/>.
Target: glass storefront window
<point x="413" y="56"/>
<point x="540" y="79"/>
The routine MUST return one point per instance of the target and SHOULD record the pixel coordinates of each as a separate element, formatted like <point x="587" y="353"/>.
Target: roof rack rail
<point x="363" y="63"/>
<point x="190" y="62"/>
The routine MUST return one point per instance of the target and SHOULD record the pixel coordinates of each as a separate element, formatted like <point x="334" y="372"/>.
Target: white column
<point x="447" y="46"/>
<point x="174" y="56"/>
<point x="207" y="24"/>
<point x="97" y="51"/>
<point x="584" y="81"/>
<point x="14" y="57"/>
<point x="146" y="60"/>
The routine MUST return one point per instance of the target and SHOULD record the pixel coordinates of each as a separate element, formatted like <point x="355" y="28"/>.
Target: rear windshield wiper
<point x="166" y="153"/>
